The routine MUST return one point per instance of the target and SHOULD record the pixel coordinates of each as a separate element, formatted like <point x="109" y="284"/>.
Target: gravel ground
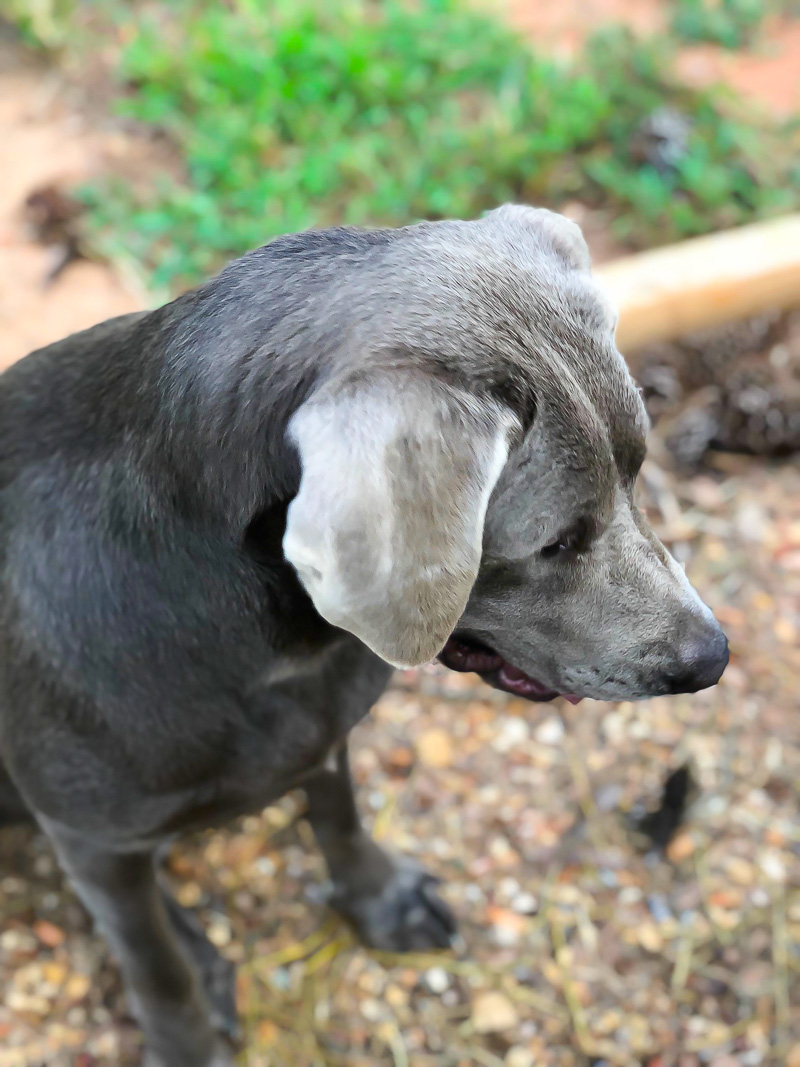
<point x="580" y="942"/>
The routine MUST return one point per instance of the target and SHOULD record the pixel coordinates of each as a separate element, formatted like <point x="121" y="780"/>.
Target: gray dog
<point x="223" y="521"/>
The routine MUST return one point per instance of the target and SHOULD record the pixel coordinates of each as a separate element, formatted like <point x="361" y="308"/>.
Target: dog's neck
<point x="218" y="445"/>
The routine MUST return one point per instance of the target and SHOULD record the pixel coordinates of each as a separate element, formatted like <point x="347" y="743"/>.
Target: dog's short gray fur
<point x="411" y="415"/>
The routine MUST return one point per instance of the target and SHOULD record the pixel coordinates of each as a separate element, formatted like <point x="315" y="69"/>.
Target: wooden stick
<point x="705" y="281"/>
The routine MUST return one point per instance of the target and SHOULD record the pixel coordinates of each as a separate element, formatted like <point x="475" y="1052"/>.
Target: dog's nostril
<point x="701" y="663"/>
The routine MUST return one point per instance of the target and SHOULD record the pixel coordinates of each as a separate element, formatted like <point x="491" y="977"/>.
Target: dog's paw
<point x="406" y="915"/>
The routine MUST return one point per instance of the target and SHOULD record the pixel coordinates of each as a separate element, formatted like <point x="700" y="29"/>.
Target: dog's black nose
<point x="701" y="662"/>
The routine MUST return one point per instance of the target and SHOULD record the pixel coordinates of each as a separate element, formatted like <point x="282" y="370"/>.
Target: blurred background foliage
<point x="730" y="23"/>
<point x="292" y="114"/>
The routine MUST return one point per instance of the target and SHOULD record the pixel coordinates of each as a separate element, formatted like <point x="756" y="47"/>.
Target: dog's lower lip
<point x="460" y="655"/>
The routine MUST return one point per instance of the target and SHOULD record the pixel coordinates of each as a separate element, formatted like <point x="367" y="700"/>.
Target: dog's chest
<point x="296" y="717"/>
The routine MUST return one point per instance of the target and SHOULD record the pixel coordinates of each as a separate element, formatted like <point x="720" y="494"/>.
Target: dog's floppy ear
<point x="385" y="532"/>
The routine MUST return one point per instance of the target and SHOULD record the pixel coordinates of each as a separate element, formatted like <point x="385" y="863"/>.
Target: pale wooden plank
<point x="705" y="281"/>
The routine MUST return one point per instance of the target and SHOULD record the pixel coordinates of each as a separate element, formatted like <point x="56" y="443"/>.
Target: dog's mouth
<point x="466" y="655"/>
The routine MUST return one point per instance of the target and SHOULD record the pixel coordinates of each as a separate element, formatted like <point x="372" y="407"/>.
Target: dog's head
<point x="468" y="465"/>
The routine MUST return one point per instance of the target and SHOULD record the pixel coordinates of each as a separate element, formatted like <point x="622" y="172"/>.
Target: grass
<point x="295" y="114"/>
<point x="729" y="23"/>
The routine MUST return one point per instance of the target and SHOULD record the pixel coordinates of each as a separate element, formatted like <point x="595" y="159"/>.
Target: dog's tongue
<point x="461" y="656"/>
<point x="573" y="698"/>
<point x="517" y="681"/>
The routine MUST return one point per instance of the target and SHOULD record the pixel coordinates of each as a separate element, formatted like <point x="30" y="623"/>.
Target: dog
<point x="224" y="522"/>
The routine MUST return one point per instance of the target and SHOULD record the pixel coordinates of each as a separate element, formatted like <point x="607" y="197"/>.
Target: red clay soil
<point x="563" y="27"/>
<point x="768" y="76"/>
<point x="45" y="140"/>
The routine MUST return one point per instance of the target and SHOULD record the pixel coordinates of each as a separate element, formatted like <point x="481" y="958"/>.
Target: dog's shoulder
<point x="52" y="394"/>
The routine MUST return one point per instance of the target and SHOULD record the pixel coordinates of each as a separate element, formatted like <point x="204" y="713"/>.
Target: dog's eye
<point x="555" y="548"/>
<point x="570" y="542"/>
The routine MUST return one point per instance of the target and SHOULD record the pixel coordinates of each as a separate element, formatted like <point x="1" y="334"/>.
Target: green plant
<point x="295" y="114"/>
<point x="730" y="23"/>
<point x="42" y="23"/>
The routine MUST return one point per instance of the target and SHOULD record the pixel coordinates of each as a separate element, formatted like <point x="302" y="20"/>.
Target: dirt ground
<point x="765" y="75"/>
<point x="46" y="139"/>
<point x="580" y="944"/>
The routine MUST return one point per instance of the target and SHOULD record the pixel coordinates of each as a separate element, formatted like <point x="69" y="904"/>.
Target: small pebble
<point x="519" y="1057"/>
<point x="265" y="866"/>
<point x="681" y="847"/>
<point x="44" y="866"/>
<point x="473" y="893"/>
<point x="14" y="941"/>
<point x="219" y="933"/>
<point x="27" y="1003"/>
<point x="659" y="908"/>
<point x="77" y="986"/>
<point x="740" y="871"/>
<point x="631" y="894"/>
<point x="508" y="887"/>
<point x="551" y="731"/>
<point x="608" y="1022"/>
<point x="435" y="748"/>
<point x="760" y="898"/>
<point x="280" y="979"/>
<point x="505" y="935"/>
<point x="395" y="996"/>
<point x="106" y="1045"/>
<point x="754" y="979"/>
<point x="649" y="937"/>
<point x="492" y="1013"/>
<point x="513" y="732"/>
<point x="773" y="866"/>
<point x="608" y="797"/>
<point x="437" y="980"/>
<point x="525" y="903"/>
<point x="372" y="1009"/>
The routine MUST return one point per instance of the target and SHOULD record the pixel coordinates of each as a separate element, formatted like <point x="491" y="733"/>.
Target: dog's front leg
<point x="123" y="896"/>
<point x="390" y="900"/>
